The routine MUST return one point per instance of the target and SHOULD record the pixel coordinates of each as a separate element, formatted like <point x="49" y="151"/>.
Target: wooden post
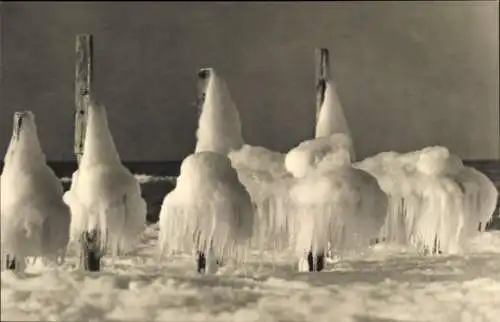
<point x="83" y="84"/>
<point x="322" y="76"/>
<point x="90" y="251"/>
<point x="204" y="75"/>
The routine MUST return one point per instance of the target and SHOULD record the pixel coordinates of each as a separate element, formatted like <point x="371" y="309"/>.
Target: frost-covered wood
<point x="322" y="69"/>
<point x="83" y="83"/>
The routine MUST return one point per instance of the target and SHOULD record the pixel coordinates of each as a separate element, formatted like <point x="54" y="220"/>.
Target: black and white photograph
<point x="288" y="161"/>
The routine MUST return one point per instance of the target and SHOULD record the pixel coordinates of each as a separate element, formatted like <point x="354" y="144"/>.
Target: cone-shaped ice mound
<point x="219" y="128"/>
<point x="331" y="119"/>
<point x="35" y="220"/>
<point x="209" y="208"/>
<point x="104" y="195"/>
<point x="435" y="203"/>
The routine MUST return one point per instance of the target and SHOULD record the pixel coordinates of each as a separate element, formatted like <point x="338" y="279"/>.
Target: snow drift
<point x="104" y="195"/>
<point x="219" y="128"/>
<point x="209" y="209"/>
<point x="35" y="220"/>
<point x="435" y="203"/>
<point x="332" y="204"/>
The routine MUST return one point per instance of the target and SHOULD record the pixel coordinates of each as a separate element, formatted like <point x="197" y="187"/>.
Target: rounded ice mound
<point x="323" y="154"/>
<point x="104" y="195"/>
<point x="35" y="220"/>
<point x="209" y="209"/>
<point x="344" y="207"/>
<point x="438" y="161"/>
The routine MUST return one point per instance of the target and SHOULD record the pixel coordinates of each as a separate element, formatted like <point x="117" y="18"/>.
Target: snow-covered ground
<point x="385" y="283"/>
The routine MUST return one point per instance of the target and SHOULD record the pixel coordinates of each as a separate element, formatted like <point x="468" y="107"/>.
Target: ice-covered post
<point x="203" y="79"/>
<point x="316" y="262"/>
<point x="322" y="62"/>
<point x="204" y="75"/>
<point x="10" y="259"/>
<point x="90" y="254"/>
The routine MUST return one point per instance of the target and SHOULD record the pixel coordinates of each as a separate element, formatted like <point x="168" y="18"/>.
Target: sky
<point x="409" y="74"/>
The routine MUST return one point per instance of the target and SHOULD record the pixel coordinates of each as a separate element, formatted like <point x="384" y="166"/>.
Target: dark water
<point x="154" y="192"/>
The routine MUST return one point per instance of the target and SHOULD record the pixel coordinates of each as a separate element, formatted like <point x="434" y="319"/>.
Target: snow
<point x="384" y="283"/>
<point x="209" y="209"/>
<point x="104" y="195"/>
<point x="219" y="128"/>
<point x="35" y="221"/>
<point x="331" y="119"/>
<point x="434" y="201"/>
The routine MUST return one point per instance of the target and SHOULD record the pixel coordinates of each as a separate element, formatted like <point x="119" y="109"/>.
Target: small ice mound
<point x="344" y="208"/>
<point x="438" y="161"/>
<point x="219" y="127"/>
<point x="104" y="195"/>
<point x="35" y="220"/>
<point x="323" y="154"/>
<point x="209" y="209"/>
<point x="331" y="119"/>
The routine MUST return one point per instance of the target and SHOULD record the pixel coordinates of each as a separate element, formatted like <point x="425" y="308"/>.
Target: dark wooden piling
<point x="315" y="262"/>
<point x="322" y="69"/>
<point x="90" y="252"/>
<point x="201" y="262"/>
<point x="90" y="257"/>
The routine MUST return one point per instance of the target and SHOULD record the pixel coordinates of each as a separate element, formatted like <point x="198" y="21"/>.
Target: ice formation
<point x="331" y="119"/>
<point x="332" y="204"/>
<point x="219" y="128"/>
<point x="263" y="174"/>
<point x="209" y="209"/>
<point x="35" y="220"/>
<point x="261" y="171"/>
<point x="104" y="195"/>
<point x="435" y="203"/>
<point x="323" y="153"/>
